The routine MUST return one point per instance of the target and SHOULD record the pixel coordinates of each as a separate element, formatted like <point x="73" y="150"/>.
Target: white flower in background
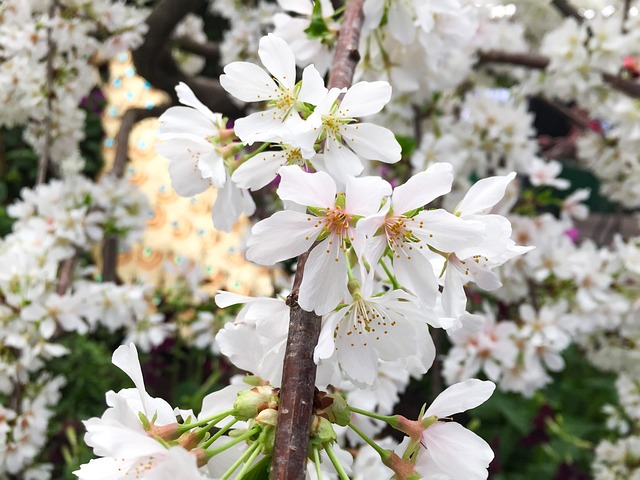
<point x="543" y="173"/>
<point x="492" y="349"/>
<point x="190" y="136"/>
<point x="447" y="448"/>
<point x="276" y="86"/>
<point x="292" y="30"/>
<point x="330" y="222"/>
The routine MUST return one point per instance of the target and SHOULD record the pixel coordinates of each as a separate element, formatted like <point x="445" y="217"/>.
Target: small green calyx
<point x="249" y="403"/>
<point x="428" y="421"/>
<point x="334" y="408"/>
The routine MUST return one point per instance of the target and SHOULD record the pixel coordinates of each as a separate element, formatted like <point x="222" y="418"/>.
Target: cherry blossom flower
<point x="409" y="236"/>
<point x="335" y="122"/>
<point x="372" y="328"/>
<point x="330" y="222"/>
<point x="276" y="86"/>
<point x="449" y="449"/>
<point x="189" y="138"/>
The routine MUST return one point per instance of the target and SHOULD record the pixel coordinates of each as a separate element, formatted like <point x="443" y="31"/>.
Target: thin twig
<point x="540" y="62"/>
<point x="45" y="156"/>
<point x="299" y="369"/>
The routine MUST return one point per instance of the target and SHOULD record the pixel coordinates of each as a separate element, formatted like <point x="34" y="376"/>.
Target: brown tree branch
<point x="45" y="156"/>
<point x="153" y="59"/>
<point x="210" y="50"/>
<point x="540" y="62"/>
<point x="299" y="369"/>
<point x="568" y="10"/>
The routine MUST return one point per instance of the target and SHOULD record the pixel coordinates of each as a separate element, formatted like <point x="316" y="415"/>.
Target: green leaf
<point x="318" y="27"/>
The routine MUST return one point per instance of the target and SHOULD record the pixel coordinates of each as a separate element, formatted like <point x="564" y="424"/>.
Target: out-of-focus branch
<point x="45" y="156"/>
<point x="540" y="62"/>
<point x="568" y="10"/>
<point x="299" y="369"/>
<point x="153" y="59"/>
<point x="210" y="50"/>
<point x="65" y="274"/>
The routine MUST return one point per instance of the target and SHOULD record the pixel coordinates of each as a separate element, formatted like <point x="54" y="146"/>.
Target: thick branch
<point x="210" y="50"/>
<point x="299" y="369"/>
<point x="153" y="59"/>
<point x="568" y="10"/>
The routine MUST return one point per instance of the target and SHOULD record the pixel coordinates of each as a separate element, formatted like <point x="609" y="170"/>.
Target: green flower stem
<point x="242" y="459"/>
<point x="212" y="419"/>
<point x="316" y="462"/>
<point x="235" y="441"/>
<point x="390" y="419"/>
<point x="255" y="152"/>
<point x="384" y="453"/>
<point x="335" y="461"/>
<point x="219" y="433"/>
<point x="257" y="448"/>
<point x="392" y="279"/>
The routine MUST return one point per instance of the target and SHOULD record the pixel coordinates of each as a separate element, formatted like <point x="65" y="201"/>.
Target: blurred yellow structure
<point x="180" y="234"/>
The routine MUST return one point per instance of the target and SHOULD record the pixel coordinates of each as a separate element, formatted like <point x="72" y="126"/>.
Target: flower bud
<point x="268" y="416"/>
<point x="165" y="432"/>
<point x="334" y="408"/>
<point x="251" y="402"/>
<point x="321" y="430"/>
<point x="192" y="439"/>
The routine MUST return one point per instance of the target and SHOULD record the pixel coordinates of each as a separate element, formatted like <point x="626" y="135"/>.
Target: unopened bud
<point x="334" y="408"/>
<point x="165" y="432"/>
<point x="321" y="430"/>
<point x="251" y="402"/>
<point x="192" y="439"/>
<point x="268" y="416"/>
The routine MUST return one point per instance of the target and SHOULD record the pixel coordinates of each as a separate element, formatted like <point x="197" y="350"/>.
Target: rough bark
<point x="299" y="370"/>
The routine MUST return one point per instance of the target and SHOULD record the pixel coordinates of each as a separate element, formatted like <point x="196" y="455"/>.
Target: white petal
<point x="365" y="194"/>
<point x="461" y="397"/>
<point x="445" y="231"/>
<point x="248" y="82"/>
<point x="177" y="120"/>
<point x="339" y="161"/>
<point x="416" y="275"/>
<point x="422" y="188"/>
<point x="309" y="189"/>
<point x="187" y="97"/>
<point x="326" y="261"/>
<point x="259" y="171"/>
<point x="126" y="359"/>
<point x="454" y="298"/>
<point x="286" y="234"/>
<point x="372" y="142"/>
<point x="484" y="194"/>
<point x="312" y="89"/>
<point x="458" y="452"/>
<point x="262" y="126"/>
<point x="278" y="58"/>
<point x="365" y="98"/>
